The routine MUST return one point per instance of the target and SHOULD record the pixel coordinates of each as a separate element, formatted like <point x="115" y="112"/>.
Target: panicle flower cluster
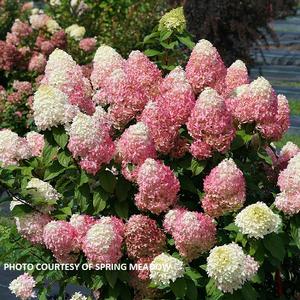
<point x="254" y="102"/>
<point x="106" y="61"/>
<point x="158" y="187"/>
<point x="23" y="286"/>
<point x="51" y="108"/>
<point x="230" y="267"/>
<point x="288" y="200"/>
<point x="225" y="189"/>
<point x="88" y="44"/>
<point x="14" y="148"/>
<point x="76" y="32"/>
<point x="237" y="75"/>
<point x="170" y="109"/>
<point x="134" y="88"/>
<point x="43" y="189"/>
<point x="165" y="269"/>
<point x="205" y="68"/>
<point x="31" y="226"/>
<point x="210" y="124"/>
<point x="103" y="241"/>
<point x="63" y="73"/>
<point x="82" y="223"/>
<point x="62" y="239"/>
<point x="173" y="20"/>
<point x="288" y="151"/>
<point x="275" y="129"/>
<point x="194" y="233"/>
<point x="257" y="220"/>
<point x="36" y="142"/>
<point x="90" y="140"/>
<point x="134" y="147"/>
<point x="143" y="237"/>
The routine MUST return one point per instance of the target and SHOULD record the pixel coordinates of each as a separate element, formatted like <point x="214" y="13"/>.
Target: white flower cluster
<point x="78" y="296"/>
<point x="257" y="220"/>
<point x="76" y="32"/>
<point x="164" y="268"/>
<point x="51" y="108"/>
<point x="43" y="189"/>
<point x="230" y="267"/>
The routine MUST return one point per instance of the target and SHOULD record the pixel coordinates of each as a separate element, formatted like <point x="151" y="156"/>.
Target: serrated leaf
<point x="191" y="292"/>
<point x="165" y="35"/>
<point x="53" y="170"/>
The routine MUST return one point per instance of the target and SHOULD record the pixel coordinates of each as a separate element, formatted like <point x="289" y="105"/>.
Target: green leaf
<point x="165" y="35"/>
<point x="111" y="277"/>
<point x="53" y="171"/>
<point x="231" y="227"/>
<point x="186" y="41"/>
<point x="21" y="210"/>
<point x="64" y="159"/>
<point x="122" y="189"/>
<point x="99" y="201"/>
<point x="60" y="136"/>
<point x="107" y="181"/>
<point x="213" y="291"/>
<point x="188" y="185"/>
<point x="197" y="166"/>
<point x="49" y="154"/>
<point x="240" y="139"/>
<point x="193" y="274"/>
<point x="295" y="233"/>
<point x="151" y="52"/>
<point x="83" y="178"/>
<point x="248" y="292"/>
<point x="264" y="155"/>
<point x="275" y="245"/>
<point x="191" y="291"/>
<point x="179" y="288"/>
<point x="121" y="209"/>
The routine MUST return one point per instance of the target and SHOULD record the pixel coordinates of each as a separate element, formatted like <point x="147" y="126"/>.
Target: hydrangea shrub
<point x="130" y="166"/>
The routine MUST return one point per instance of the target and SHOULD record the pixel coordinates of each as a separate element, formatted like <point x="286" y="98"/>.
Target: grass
<point x="294" y="107"/>
<point x="284" y="83"/>
<point x="288" y="137"/>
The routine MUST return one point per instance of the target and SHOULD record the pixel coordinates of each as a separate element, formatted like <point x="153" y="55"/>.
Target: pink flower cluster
<point x="127" y="85"/>
<point x="224" y="189"/>
<point x="134" y="147"/>
<point x="14" y="148"/>
<point x="23" y="287"/>
<point x="31" y="226"/>
<point x="170" y="109"/>
<point x="63" y="73"/>
<point x="62" y="239"/>
<point x="205" y="68"/>
<point x="28" y="44"/>
<point x="88" y="44"/>
<point x="143" y="238"/>
<point x="194" y="233"/>
<point x="103" y="241"/>
<point x="90" y="140"/>
<point x="211" y="125"/>
<point x="288" y="200"/>
<point x="158" y="187"/>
